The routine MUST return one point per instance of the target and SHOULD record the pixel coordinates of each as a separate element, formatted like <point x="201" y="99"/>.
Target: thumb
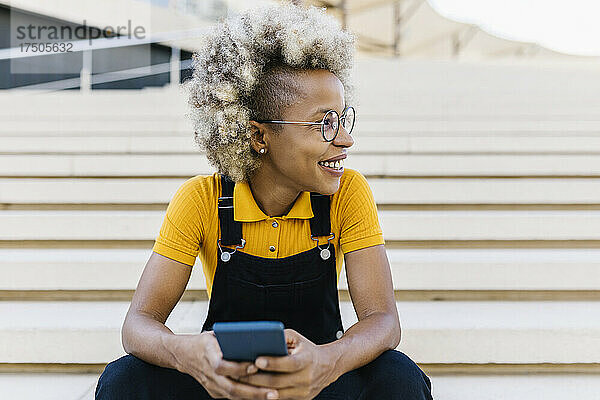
<point x="292" y="338"/>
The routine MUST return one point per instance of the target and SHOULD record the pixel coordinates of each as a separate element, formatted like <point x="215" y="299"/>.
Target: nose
<point x="343" y="138"/>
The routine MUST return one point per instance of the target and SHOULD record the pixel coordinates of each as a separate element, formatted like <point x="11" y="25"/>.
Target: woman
<point x="270" y="109"/>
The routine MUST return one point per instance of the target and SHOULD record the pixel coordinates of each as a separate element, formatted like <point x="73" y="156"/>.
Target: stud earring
<point x="262" y="151"/>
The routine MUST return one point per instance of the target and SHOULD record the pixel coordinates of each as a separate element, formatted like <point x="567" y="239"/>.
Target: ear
<point x="258" y="135"/>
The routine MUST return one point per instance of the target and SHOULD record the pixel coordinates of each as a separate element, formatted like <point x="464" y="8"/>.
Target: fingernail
<point x="261" y="363"/>
<point x="251" y="369"/>
<point x="272" y="395"/>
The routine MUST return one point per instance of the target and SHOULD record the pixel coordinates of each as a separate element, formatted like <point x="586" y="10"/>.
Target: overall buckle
<point x="225" y="255"/>
<point x="325" y="252"/>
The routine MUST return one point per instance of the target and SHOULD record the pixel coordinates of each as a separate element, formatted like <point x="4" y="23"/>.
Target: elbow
<point x="397" y="338"/>
<point x="126" y="336"/>
<point x="124" y="341"/>
<point x="396" y="332"/>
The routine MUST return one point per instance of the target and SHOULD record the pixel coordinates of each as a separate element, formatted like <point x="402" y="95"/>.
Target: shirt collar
<point x="245" y="208"/>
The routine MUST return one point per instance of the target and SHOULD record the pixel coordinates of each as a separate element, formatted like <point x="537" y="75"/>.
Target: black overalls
<point x="299" y="290"/>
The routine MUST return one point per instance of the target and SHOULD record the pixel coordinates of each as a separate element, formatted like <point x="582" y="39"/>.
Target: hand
<point x="302" y="374"/>
<point x="200" y="356"/>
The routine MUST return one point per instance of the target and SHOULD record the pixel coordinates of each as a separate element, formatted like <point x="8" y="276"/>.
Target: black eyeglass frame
<point x="322" y="123"/>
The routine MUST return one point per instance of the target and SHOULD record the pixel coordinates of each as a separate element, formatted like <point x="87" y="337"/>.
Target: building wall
<point x="42" y="69"/>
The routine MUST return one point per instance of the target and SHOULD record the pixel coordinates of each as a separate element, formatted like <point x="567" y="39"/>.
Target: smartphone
<point x="246" y="340"/>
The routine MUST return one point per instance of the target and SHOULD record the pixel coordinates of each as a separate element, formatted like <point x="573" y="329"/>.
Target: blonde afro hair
<point x="242" y="73"/>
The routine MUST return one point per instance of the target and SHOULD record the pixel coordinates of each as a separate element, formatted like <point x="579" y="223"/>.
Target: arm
<point x="144" y="333"/>
<point x="378" y="326"/>
<point x="164" y="279"/>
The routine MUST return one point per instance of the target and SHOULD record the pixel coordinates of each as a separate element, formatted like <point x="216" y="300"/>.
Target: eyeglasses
<point x="330" y="124"/>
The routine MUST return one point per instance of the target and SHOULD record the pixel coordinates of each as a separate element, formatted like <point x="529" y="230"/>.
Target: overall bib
<point x="299" y="290"/>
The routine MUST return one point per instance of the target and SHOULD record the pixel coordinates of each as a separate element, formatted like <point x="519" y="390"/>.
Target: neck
<point x="273" y="198"/>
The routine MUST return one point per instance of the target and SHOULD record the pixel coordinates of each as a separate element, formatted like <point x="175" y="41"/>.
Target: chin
<point x="329" y="188"/>
<point x="326" y="183"/>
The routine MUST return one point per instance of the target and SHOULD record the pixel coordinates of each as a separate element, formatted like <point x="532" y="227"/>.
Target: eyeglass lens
<point x="332" y="120"/>
<point x="330" y="126"/>
<point x="348" y="119"/>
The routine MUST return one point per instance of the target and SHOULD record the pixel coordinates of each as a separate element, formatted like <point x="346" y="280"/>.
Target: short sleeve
<point x="181" y="232"/>
<point x="359" y="222"/>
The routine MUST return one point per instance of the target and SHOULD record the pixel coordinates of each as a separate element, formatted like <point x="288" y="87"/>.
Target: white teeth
<point x="339" y="164"/>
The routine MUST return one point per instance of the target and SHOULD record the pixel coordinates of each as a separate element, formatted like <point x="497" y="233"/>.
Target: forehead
<point x="321" y="90"/>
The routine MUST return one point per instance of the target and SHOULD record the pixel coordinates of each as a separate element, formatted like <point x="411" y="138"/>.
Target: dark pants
<point x="392" y="375"/>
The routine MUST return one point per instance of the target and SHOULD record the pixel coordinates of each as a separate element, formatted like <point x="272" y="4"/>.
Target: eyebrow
<point x="322" y="111"/>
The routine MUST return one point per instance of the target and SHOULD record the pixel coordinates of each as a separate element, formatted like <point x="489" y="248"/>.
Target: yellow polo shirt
<point x="191" y="224"/>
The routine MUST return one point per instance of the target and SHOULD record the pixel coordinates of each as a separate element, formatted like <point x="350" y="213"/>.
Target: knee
<point x="394" y="375"/>
<point x="120" y="377"/>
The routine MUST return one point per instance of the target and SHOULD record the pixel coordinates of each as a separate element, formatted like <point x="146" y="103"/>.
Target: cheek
<point x="298" y="161"/>
<point x="301" y="153"/>
<point x="298" y="154"/>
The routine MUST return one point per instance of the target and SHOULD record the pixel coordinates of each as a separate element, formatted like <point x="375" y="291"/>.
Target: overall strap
<point x="231" y="230"/>
<point x="320" y="223"/>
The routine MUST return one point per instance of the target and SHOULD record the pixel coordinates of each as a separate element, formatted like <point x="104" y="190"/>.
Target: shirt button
<point x="275" y="224"/>
<point x="272" y="248"/>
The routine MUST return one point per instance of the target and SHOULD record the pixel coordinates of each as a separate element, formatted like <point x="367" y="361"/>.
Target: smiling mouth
<point x="335" y="165"/>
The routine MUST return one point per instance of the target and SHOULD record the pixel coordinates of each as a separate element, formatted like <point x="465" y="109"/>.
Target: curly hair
<point x="243" y="71"/>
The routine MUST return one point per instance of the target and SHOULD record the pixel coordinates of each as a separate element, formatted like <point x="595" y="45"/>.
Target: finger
<point x="214" y="356"/>
<point x="245" y="391"/>
<point x="215" y="359"/>
<point x="291" y="363"/>
<point x="233" y="368"/>
<point x="212" y="350"/>
<point x="271" y="379"/>
<point x="294" y="393"/>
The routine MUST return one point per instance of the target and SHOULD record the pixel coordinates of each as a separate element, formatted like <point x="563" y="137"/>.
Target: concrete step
<point x="108" y="125"/>
<point x="494" y="77"/>
<point x="98" y="144"/>
<point x="363" y="128"/>
<point x="433" y="332"/>
<point x="412" y="269"/>
<point x="48" y="386"/>
<point x="467" y="90"/>
<point x="532" y="144"/>
<point x="392" y="191"/>
<point x="480" y="86"/>
<point x="414" y="104"/>
<point x="444" y="387"/>
<point x="380" y="164"/>
<point x="149" y="165"/>
<point x="511" y="387"/>
<point x="366" y="126"/>
<point x="122" y="102"/>
<point x="157" y="145"/>
<point x="396" y="225"/>
<point x="588" y="127"/>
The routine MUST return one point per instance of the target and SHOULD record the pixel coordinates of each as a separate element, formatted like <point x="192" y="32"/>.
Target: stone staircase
<point x="487" y="180"/>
